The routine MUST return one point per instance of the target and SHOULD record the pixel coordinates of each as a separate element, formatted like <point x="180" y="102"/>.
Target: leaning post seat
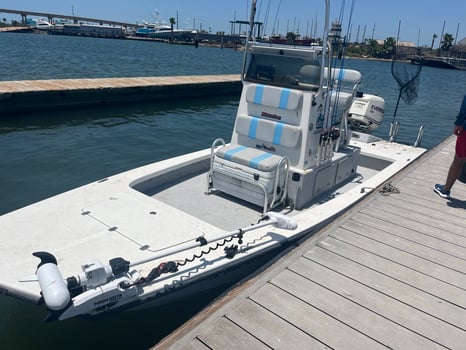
<point x="269" y="118"/>
<point x="266" y="142"/>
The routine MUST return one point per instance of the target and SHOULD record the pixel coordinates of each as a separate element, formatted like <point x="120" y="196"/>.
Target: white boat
<point x="163" y="30"/>
<point x="179" y="226"/>
<point x="151" y="28"/>
<point x="40" y="24"/>
<point x="175" y="34"/>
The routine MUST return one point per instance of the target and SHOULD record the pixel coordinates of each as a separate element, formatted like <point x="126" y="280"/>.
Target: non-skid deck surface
<point x="390" y="274"/>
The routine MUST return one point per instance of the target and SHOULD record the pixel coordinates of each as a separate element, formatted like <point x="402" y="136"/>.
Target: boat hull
<point x="120" y="216"/>
<point x="441" y="62"/>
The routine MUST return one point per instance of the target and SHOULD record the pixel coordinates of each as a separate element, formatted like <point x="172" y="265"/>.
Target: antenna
<point x="275" y="26"/>
<point x="457" y="30"/>
<point x="441" y="35"/>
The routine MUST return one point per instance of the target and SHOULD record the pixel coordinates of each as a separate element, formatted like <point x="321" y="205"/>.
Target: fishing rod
<point x="250" y="37"/>
<point x="402" y="85"/>
<point x="336" y="55"/>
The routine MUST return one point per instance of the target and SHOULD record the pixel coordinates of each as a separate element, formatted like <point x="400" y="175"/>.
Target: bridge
<point x="75" y="19"/>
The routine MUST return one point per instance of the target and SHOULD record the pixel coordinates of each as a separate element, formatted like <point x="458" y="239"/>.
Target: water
<point x="47" y="153"/>
<point x="30" y="56"/>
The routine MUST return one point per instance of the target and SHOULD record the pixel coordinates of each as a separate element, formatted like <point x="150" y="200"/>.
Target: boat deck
<point x="235" y="212"/>
<point x="391" y="273"/>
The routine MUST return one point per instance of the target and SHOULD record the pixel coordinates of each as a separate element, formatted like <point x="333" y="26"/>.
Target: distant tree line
<point x="4" y="23"/>
<point x="386" y="49"/>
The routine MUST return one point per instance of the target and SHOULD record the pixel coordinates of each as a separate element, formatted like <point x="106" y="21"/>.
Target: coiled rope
<point x="388" y="189"/>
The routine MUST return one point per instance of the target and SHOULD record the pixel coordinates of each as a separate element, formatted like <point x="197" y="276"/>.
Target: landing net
<point x="406" y="75"/>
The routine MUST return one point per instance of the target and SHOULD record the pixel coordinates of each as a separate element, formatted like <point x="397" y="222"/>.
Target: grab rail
<point x="420" y="133"/>
<point x="217" y="142"/>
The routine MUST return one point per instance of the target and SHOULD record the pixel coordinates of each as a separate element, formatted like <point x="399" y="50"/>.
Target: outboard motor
<point x="366" y="112"/>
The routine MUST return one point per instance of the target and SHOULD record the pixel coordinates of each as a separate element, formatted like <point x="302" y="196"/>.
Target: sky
<point x="418" y="20"/>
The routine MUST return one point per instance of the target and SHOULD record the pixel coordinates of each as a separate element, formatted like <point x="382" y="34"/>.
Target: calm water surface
<point x="45" y="154"/>
<point x="32" y="56"/>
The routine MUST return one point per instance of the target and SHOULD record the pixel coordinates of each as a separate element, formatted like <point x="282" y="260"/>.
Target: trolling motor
<point x="96" y="280"/>
<point x="57" y="292"/>
<point x="102" y="287"/>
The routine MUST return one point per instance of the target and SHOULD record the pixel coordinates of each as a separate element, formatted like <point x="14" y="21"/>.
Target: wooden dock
<point x="391" y="274"/>
<point x="38" y="95"/>
<point x="15" y="29"/>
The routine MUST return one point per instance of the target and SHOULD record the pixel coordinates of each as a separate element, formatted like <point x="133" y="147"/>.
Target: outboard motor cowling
<point x="366" y="112"/>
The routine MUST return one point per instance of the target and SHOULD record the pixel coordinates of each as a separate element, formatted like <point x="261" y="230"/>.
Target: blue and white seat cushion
<point x="251" y="157"/>
<point x="275" y="133"/>
<point x="281" y="98"/>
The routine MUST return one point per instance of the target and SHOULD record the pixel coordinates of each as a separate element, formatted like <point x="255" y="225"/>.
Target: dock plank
<point x="422" y="265"/>
<point x="438" y="214"/>
<point x="406" y="245"/>
<point x="398" y="230"/>
<point x="328" y="330"/>
<point x="403" y="292"/>
<point x="227" y="335"/>
<point x="421" y="227"/>
<point x="412" y="191"/>
<point x="259" y="321"/>
<point x="387" y="320"/>
<point x="402" y="273"/>
<point x="196" y="345"/>
<point x="439" y="222"/>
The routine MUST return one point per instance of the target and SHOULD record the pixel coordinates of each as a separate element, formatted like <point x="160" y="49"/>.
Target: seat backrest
<point x="275" y="97"/>
<point x="276" y="137"/>
<point x="272" y="102"/>
<point x="276" y="133"/>
<point x="269" y="119"/>
<point x="344" y="75"/>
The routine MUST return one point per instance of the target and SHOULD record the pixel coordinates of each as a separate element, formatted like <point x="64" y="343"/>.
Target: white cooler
<point x="250" y="174"/>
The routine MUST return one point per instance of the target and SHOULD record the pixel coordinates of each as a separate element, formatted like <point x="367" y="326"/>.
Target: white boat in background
<point x="148" y="29"/>
<point x="163" y="30"/>
<point x="301" y="153"/>
<point x="39" y="24"/>
<point x="175" y="34"/>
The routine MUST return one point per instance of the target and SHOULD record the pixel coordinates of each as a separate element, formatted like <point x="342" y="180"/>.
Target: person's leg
<point x="455" y="169"/>
<point x="458" y="162"/>
<point x="454" y="172"/>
